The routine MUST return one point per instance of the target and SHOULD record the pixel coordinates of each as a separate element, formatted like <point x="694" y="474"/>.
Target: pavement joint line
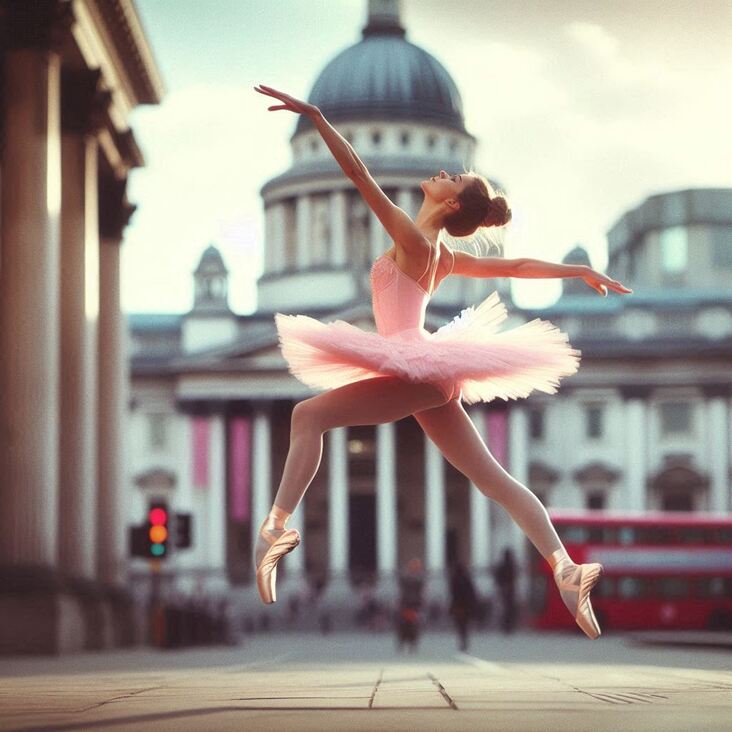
<point x="376" y="686"/>
<point x="443" y="691"/>
<point x="118" y="698"/>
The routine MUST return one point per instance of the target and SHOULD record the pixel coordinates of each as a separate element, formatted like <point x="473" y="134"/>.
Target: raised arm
<point x="397" y="222"/>
<point x="471" y="266"/>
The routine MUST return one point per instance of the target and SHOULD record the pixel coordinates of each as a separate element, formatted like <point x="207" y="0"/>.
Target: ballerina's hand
<point x="288" y="102"/>
<point x="601" y="283"/>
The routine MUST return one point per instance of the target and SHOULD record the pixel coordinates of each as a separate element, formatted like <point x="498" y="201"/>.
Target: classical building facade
<point x="71" y="74"/>
<point x="643" y="425"/>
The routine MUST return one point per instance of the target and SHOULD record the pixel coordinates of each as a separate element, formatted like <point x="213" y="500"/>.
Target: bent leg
<point x="453" y="432"/>
<point x="370" y="401"/>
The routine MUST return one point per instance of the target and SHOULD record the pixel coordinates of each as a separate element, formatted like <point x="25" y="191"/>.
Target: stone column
<point x="339" y="227"/>
<point x="261" y="473"/>
<point x="113" y="376"/>
<point x="82" y="108"/>
<point x="303" y="214"/>
<point x="277" y="240"/>
<point x="518" y="460"/>
<point x="479" y="517"/>
<point x="338" y="590"/>
<point x="30" y="202"/>
<point x="269" y="249"/>
<point x="387" y="516"/>
<point x="636" y="448"/>
<point x="718" y="445"/>
<point x="435" y="522"/>
<point x="376" y="235"/>
<point x="217" y="505"/>
<point x="29" y="302"/>
<point x="405" y="201"/>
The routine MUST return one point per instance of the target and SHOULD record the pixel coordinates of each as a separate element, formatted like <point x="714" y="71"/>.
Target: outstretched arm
<point x="471" y="266"/>
<point x="397" y="222"/>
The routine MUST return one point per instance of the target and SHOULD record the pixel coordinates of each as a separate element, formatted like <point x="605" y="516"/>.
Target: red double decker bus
<point x="663" y="570"/>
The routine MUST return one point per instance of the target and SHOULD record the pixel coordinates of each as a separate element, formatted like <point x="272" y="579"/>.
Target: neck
<point x="429" y="220"/>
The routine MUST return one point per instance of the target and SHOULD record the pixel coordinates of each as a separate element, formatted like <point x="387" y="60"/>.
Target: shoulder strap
<point x="429" y="257"/>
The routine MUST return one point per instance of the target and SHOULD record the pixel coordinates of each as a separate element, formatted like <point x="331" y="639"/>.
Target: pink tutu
<point x="469" y="351"/>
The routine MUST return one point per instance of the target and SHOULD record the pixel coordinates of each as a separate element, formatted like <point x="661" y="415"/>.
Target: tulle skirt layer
<point x="482" y="362"/>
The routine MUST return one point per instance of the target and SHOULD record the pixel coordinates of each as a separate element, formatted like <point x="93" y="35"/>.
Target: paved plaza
<point x="520" y="682"/>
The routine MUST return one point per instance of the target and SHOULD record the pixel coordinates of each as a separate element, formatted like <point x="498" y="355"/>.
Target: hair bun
<point x="499" y="214"/>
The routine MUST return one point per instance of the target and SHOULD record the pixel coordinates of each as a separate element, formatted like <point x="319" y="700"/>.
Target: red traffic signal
<point x="158" y="530"/>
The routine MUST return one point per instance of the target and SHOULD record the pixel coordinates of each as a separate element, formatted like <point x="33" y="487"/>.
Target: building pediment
<point x="596" y="472"/>
<point x="156" y="478"/>
<point x="678" y="471"/>
<point x="540" y="472"/>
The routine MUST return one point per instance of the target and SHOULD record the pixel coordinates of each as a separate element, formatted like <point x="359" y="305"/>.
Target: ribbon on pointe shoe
<point x="272" y="545"/>
<point x="577" y="582"/>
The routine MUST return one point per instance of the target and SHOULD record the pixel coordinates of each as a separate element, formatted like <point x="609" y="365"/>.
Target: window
<point x="671" y="587"/>
<point x="313" y="144"/>
<point x="721" y="237"/>
<point x="593" y="417"/>
<point x="629" y="587"/>
<point x="431" y="141"/>
<point x="674" y="249"/>
<point x="627" y="535"/>
<point x="596" y="499"/>
<point x="157" y="424"/>
<point x="675" y="417"/>
<point x="404" y="138"/>
<point x="570" y="534"/>
<point x="536" y="423"/>
<point x="376" y="137"/>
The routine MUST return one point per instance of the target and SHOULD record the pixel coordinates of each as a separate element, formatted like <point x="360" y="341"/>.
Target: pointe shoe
<point x="272" y="545"/>
<point x="575" y="591"/>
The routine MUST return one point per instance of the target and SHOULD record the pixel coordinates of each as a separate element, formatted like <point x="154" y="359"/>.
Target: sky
<point x="581" y="110"/>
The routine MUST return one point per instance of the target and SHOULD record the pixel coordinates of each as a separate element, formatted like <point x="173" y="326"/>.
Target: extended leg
<point x="371" y="401"/>
<point x="454" y="433"/>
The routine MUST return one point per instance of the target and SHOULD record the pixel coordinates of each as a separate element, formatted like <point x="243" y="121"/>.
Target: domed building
<point x="401" y="110"/>
<point x="212" y="396"/>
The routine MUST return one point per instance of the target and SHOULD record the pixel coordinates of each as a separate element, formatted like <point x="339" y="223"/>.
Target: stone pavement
<point x="521" y="682"/>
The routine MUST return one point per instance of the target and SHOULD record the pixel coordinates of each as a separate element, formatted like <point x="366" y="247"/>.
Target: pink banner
<point x="239" y="467"/>
<point x="201" y="450"/>
<point x="497" y="427"/>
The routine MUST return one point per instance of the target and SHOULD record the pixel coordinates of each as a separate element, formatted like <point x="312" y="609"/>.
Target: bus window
<point x="669" y="587"/>
<point x="631" y="587"/>
<point x="626" y="535"/>
<point x="693" y="535"/>
<point x="710" y="586"/>
<point x="572" y="534"/>
<point x="656" y="535"/>
<point x="596" y="534"/>
<point x="725" y="535"/>
<point x="605" y="588"/>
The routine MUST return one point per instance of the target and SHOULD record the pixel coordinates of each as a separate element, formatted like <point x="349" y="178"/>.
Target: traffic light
<point x="158" y="530"/>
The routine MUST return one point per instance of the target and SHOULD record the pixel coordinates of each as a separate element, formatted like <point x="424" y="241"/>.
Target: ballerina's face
<point x="443" y="186"/>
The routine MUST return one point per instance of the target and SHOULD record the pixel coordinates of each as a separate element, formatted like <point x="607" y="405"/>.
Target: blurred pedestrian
<point x="505" y="577"/>
<point x="411" y="586"/>
<point x="462" y="601"/>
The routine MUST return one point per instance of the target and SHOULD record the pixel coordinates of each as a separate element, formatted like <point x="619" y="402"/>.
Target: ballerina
<point x="402" y="369"/>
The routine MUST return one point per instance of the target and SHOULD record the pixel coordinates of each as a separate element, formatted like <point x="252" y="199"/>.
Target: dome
<point x="211" y="262"/>
<point x="386" y="76"/>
